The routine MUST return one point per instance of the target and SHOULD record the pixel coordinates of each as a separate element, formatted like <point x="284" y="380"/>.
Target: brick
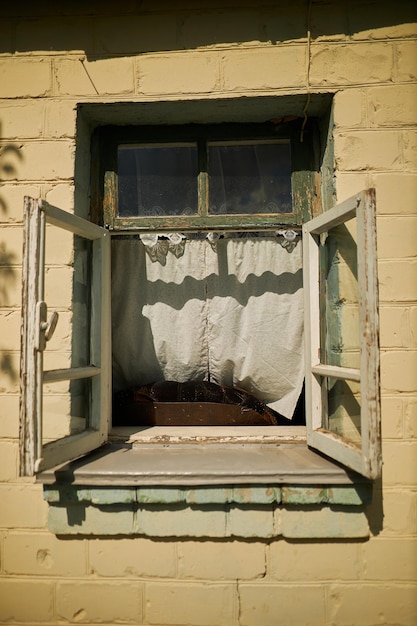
<point x="160" y="495"/>
<point x="400" y="513"/>
<point x="350" y="183"/>
<point x="43" y="554"/>
<point x="11" y="200"/>
<point x="82" y="601"/>
<point x="313" y="562"/>
<point x="347" y="64"/>
<point x="391" y="231"/>
<point x="349" y="108"/>
<point x="363" y="150"/>
<point x="11" y="244"/>
<point x="393" y="105"/>
<point x="60" y="119"/>
<point x="43" y="161"/>
<point x="136" y="33"/>
<point x="158" y="521"/>
<point x="395" y="193"/>
<point x="133" y="557"/>
<point x="398" y="552"/>
<point x="395" y="331"/>
<point x="253" y="522"/>
<point x="398" y="371"/>
<point x="21" y="77"/>
<point x="406" y="61"/>
<point x="392" y="410"/>
<point x="181" y="603"/>
<point x="217" y="27"/>
<point x="410" y="419"/>
<point x="256" y="494"/>
<point x="293" y="494"/>
<point x="102" y="76"/>
<point x="61" y="196"/>
<point x="353" y="496"/>
<point x="221" y="561"/>
<point x="22" y="507"/>
<point x="251" y="69"/>
<point x="58" y="287"/>
<point x="9" y="410"/>
<point x="10" y="324"/>
<point x="53" y="34"/>
<point x="265" y="604"/>
<point x="397" y="280"/>
<point x="179" y="73"/>
<point x="404" y="472"/>
<point x="326" y="522"/>
<point x="22" y="120"/>
<point x="9" y="455"/>
<point x="26" y="601"/>
<point x="409" y="139"/>
<point x="365" y="604"/>
<point x="9" y="372"/>
<point x="77" y="519"/>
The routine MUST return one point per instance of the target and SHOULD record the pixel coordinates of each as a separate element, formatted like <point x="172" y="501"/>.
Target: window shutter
<point x="66" y="435"/>
<point x="341" y="324"/>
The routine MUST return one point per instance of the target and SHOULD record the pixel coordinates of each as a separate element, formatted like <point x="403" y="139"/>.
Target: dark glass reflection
<point x="249" y="178"/>
<point x="156" y="180"/>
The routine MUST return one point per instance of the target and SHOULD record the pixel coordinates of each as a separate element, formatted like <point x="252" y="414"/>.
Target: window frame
<point x="104" y="179"/>
<point x="34" y="456"/>
<point x="366" y="460"/>
<point x="104" y="200"/>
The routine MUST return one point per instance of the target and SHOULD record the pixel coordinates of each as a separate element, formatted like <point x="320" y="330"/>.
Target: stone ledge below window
<point x="207" y="491"/>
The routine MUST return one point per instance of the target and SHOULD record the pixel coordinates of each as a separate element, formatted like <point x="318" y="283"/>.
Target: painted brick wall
<point x="104" y="51"/>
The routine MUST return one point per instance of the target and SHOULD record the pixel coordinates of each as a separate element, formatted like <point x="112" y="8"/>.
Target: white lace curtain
<point x="227" y="310"/>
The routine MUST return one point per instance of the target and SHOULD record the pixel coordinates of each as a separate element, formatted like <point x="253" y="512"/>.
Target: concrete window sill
<point x="213" y="489"/>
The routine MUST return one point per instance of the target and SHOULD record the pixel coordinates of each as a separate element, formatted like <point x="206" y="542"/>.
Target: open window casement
<point x="66" y="267"/>
<point x="341" y="330"/>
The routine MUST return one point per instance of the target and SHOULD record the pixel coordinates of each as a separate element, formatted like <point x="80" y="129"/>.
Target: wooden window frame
<point x="365" y="459"/>
<point x="34" y="455"/>
<point x="106" y="141"/>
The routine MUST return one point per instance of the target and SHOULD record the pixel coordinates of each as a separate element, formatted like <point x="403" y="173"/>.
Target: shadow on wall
<point x="104" y="28"/>
<point x="10" y="156"/>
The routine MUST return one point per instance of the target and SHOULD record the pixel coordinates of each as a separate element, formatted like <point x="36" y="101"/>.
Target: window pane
<point x="67" y="291"/>
<point x="340" y="297"/>
<point x="157" y="180"/>
<point x="344" y="408"/>
<point x="66" y="409"/>
<point x="249" y="178"/>
<point x="66" y="404"/>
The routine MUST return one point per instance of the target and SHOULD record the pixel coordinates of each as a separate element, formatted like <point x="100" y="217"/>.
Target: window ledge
<point x="206" y="490"/>
<point x="192" y="464"/>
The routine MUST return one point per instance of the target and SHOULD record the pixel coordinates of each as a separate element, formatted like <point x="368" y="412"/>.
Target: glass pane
<point x="340" y="337"/>
<point x="344" y="408"/>
<point x="66" y="407"/>
<point x="156" y="180"/>
<point x="249" y="178"/>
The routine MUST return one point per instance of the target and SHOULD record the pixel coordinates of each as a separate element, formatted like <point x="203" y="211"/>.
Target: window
<point x="167" y="197"/>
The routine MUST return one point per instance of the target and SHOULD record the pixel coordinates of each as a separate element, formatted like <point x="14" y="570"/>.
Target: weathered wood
<point x="28" y="435"/>
<point x="365" y="459"/>
<point x="33" y="455"/>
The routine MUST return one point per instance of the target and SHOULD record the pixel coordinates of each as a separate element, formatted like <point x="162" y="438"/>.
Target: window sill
<point x="177" y="487"/>
<point x="151" y="456"/>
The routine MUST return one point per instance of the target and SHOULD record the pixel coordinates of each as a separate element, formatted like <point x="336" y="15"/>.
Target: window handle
<point x="46" y="327"/>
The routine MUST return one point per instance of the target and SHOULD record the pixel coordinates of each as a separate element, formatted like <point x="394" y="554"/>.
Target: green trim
<point x="303" y="179"/>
